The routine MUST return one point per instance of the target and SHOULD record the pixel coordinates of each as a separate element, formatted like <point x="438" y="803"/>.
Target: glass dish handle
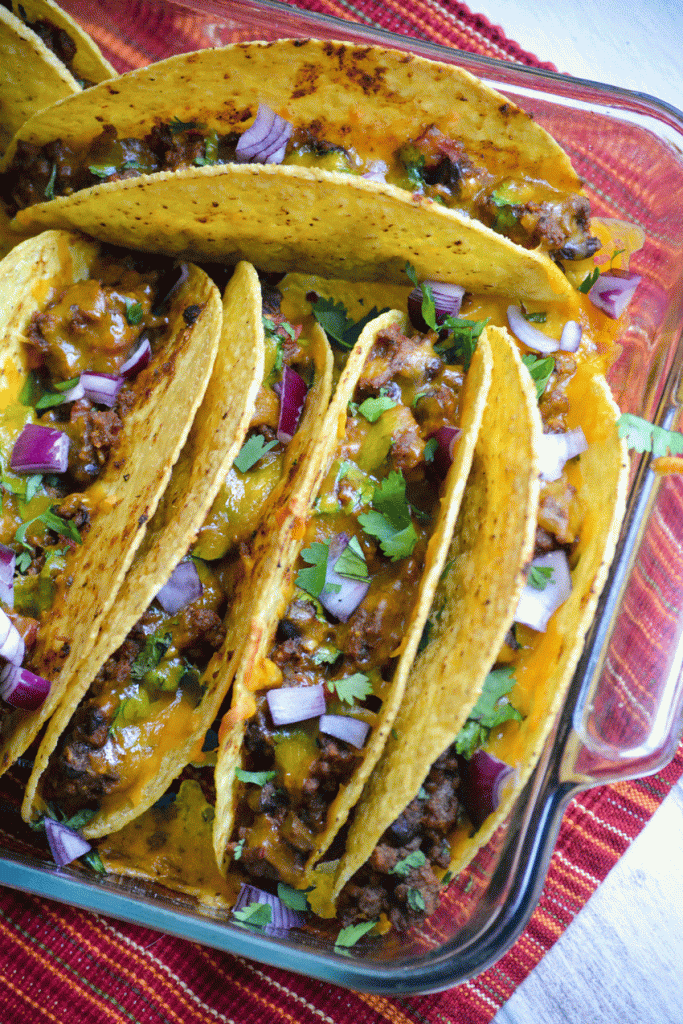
<point x="628" y="715"/>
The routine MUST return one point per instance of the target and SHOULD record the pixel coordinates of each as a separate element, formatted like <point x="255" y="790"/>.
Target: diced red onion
<point x="182" y="588"/>
<point x="570" y="339"/>
<point x="265" y="142"/>
<point x="12" y="646"/>
<point x="66" y="844"/>
<point x="282" y="917"/>
<point x="289" y="704"/>
<point x="377" y="171"/>
<point x="557" y="449"/>
<point x="536" y="606"/>
<point x="22" y="689"/>
<point x="40" y="449"/>
<point x="447" y="302"/>
<point x="482" y="779"/>
<point x="613" y="291"/>
<point x="292" y="398"/>
<point x="447" y="439"/>
<point x="139" y="359"/>
<point x="102" y="388"/>
<point x="341" y="603"/>
<point x="8" y="560"/>
<point x="344" y="727"/>
<point x="529" y="335"/>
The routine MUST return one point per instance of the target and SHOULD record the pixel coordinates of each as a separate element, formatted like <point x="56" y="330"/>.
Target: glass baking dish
<point x="629" y="149"/>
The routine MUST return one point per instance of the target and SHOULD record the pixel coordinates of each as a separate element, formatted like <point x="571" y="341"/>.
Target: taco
<point x="228" y="138"/>
<point x="451" y="771"/>
<point x="105" y="358"/>
<point x="322" y="679"/>
<point x="46" y="56"/>
<point x="161" y="669"/>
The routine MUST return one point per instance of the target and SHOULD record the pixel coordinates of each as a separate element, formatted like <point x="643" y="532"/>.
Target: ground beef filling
<point x="399" y="878"/>
<point x="76" y="778"/>
<point x="431" y="164"/>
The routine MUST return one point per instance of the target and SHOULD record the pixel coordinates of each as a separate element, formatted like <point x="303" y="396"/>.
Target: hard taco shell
<point x="127" y="492"/>
<point x="228" y="212"/>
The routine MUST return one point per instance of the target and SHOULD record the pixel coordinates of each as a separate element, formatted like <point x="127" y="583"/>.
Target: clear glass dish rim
<point x="540" y="819"/>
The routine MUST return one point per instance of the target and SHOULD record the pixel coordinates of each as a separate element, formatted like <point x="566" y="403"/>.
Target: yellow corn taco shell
<point x="214" y="440"/>
<point x="544" y="672"/>
<point x="171" y="735"/>
<point x="364" y="98"/>
<point x="125" y="496"/>
<point x="477" y="601"/>
<point x="33" y="77"/>
<point x="255" y="670"/>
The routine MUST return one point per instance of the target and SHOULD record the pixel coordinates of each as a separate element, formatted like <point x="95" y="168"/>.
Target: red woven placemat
<point x="59" y="963"/>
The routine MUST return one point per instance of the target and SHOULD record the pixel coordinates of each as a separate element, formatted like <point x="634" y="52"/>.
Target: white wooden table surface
<point x="621" y="959"/>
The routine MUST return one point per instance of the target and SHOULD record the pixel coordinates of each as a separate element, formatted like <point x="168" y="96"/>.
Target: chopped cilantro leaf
<point x="177" y="126"/>
<point x="258" y="915"/>
<point x="351" y="563"/>
<point x="390" y="521"/>
<point x="102" y="170"/>
<point x="395" y="544"/>
<point x="94" y="862"/>
<point x="33" y="482"/>
<point x="150" y="655"/>
<point x="134" y="312"/>
<point x="539" y="317"/>
<point x="293" y="898"/>
<point x="588" y="281"/>
<point x="351" y="688"/>
<point x="447" y="877"/>
<point x="239" y="846"/>
<point x="540" y="370"/>
<point x="506" y="218"/>
<point x="210" y="151"/>
<point x="50" y="187"/>
<point x="313" y="580"/>
<point x="646" y="437"/>
<point x="372" y="408"/>
<point x="255" y="778"/>
<point x="459" y="345"/>
<point x="461" y="341"/>
<point x="414" y="162"/>
<point x="253" y="449"/>
<point x="348" y="937"/>
<point x="492" y="709"/>
<point x="414" y="860"/>
<point x="326" y="655"/>
<point x="64" y="527"/>
<point x="540" y="576"/>
<point x="430" y="449"/>
<point x="49" y="398"/>
<point x="31" y="389"/>
<point x="416" y="900"/>
<point x="334" y="320"/>
<point x="23" y="561"/>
